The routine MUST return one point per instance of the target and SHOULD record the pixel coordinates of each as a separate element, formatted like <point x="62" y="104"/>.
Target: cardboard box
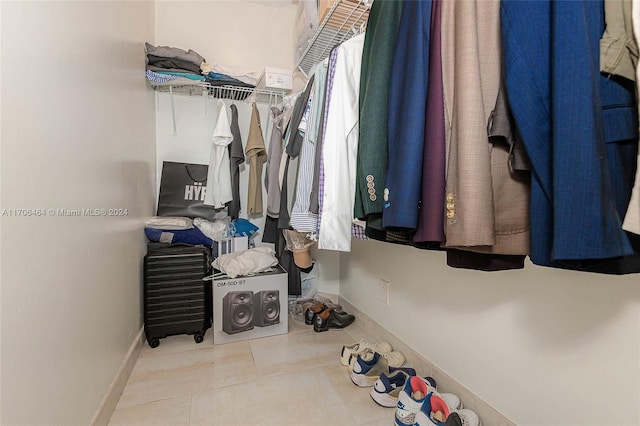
<point x="230" y="245"/>
<point x="275" y="79"/>
<point x="250" y="307"/>
<point x="323" y="8"/>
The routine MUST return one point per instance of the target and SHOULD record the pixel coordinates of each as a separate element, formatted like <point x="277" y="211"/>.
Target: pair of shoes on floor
<point x="421" y="405"/>
<point x="370" y="366"/>
<point x="316" y="307"/>
<point x="349" y="353"/>
<point x="332" y="319"/>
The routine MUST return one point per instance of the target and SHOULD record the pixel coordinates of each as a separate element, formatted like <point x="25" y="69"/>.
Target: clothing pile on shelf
<point x="432" y="130"/>
<point x="416" y="399"/>
<point x="171" y="66"/>
<point x="211" y="234"/>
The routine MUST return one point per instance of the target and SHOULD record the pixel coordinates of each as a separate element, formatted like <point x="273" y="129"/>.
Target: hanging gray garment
<point x="236" y="157"/>
<point x="314" y="205"/>
<point x="274" y="155"/>
<point x="293" y="150"/>
<point x="501" y="124"/>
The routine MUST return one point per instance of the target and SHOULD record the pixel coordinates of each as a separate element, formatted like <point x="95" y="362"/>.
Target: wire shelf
<point x="345" y="19"/>
<point x="234" y="93"/>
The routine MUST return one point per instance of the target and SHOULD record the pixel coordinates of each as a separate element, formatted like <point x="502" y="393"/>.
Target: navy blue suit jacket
<point x="407" y="109"/>
<point x="579" y="128"/>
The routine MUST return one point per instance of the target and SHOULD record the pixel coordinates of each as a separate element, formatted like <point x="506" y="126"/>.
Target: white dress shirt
<point x="340" y="148"/>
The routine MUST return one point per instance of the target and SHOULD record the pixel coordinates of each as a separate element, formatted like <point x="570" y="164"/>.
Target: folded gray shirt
<point x="174" y="52"/>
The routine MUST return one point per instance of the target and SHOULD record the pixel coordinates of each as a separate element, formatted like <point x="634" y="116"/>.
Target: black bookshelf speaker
<point x="237" y="311"/>
<point x="266" y="305"/>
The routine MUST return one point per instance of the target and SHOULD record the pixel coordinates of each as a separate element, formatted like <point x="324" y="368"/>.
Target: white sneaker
<point x="395" y="358"/>
<point x="387" y="388"/>
<point x="360" y="347"/>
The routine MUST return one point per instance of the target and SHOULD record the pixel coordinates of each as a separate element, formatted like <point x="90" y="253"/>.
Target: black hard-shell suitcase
<point x="176" y="299"/>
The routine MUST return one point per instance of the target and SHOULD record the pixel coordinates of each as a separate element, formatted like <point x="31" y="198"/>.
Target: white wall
<point x="77" y="132"/>
<point x="543" y="346"/>
<point x="245" y="34"/>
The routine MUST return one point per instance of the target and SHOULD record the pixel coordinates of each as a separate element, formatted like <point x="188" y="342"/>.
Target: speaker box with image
<point x="266" y="304"/>
<point x="250" y="307"/>
<point x="237" y="311"/>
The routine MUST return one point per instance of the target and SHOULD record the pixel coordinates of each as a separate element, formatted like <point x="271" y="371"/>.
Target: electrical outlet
<point x="383" y="291"/>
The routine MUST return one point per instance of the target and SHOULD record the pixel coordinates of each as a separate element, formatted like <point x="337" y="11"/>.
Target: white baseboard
<point x="488" y="415"/>
<point x="111" y="398"/>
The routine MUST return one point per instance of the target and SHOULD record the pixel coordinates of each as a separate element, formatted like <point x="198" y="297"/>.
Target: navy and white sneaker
<point x="434" y="411"/>
<point x="387" y="388"/>
<point x="368" y="368"/>
<point x="410" y="400"/>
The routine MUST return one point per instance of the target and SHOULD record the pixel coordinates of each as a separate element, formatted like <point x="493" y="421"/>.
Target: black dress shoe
<point x="330" y="318"/>
<point x="310" y="313"/>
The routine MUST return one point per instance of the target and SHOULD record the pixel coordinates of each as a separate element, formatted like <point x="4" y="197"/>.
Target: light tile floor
<point x="291" y="379"/>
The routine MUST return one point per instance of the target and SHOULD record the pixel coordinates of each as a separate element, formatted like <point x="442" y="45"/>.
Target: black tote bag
<point x="182" y="190"/>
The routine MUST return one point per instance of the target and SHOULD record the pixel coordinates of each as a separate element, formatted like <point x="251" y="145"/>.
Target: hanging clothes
<point x="271" y="182"/>
<point x="486" y="200"/>
<point x="340" y="148"/>
<point x="236" y="154"/>
<point x="257" y="154"/>
<point x="314" y="197"/>
<point x="292" y="150"/>
<point x="219" y="190"/>
<point x="510" y="173"/>
<point x="430" y="230"/>
<point x="471" y="70"/>
<point x="632" y="216"/>
<point x="327" y="104"/>
<point x="580" y="129"/>
<point x="375" y="78"/>
<point x="618" y="48"/>
<point x="302" y="219"/>
<point x="406" y="115"/>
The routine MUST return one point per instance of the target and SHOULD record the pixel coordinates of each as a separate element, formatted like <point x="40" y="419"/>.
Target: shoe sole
<point x="398" y="422"/>
<point x="383" y="399"/>
<point x="362" y="380"/>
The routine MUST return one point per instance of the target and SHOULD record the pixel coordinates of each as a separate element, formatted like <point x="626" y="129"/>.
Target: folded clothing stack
<point x="172" y="66"/>
<point x="175" y="230"/>
<point x="184" y="230"/>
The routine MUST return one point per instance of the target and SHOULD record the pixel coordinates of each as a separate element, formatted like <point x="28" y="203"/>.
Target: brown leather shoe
<point x="312" y="311"/>
<point x="330" y="318"/>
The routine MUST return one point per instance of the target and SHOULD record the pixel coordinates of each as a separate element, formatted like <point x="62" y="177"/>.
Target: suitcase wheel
<point x="198" y="337"/>
<point x="154" y="343"/>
